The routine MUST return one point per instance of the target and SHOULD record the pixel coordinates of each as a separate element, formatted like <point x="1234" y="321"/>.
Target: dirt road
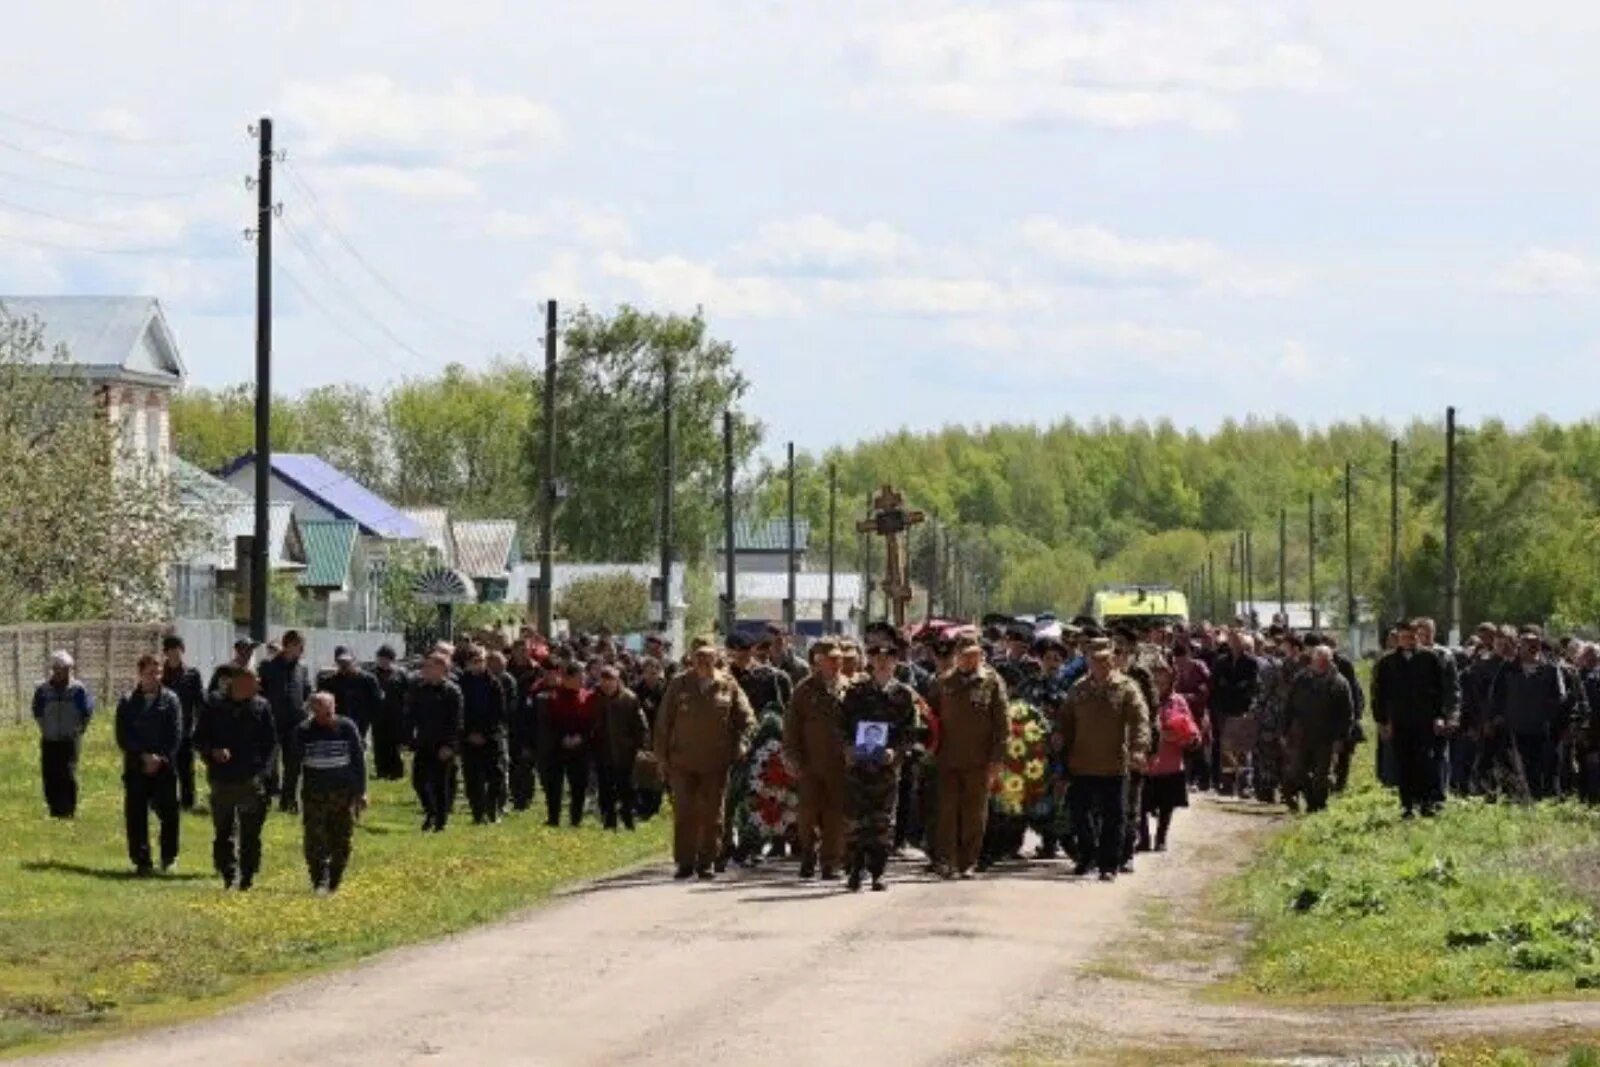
<point x="641" y="970"/>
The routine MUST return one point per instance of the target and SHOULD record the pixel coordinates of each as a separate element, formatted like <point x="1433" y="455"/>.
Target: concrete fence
<point x="105" y="653"/>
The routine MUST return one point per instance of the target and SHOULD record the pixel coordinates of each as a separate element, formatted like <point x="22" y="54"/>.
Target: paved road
<point x="641" y="970"/>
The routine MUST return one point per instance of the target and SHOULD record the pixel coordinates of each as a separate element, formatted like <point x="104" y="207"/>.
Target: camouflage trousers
<point x="871" y="795"/>
<point x="330" y="824"/>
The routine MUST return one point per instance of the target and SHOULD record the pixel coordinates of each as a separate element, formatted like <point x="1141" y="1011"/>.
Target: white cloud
<point x="582" y="224"/>
<point x="1543" y="271"/>
<point x="415" y="183"/>
<point x="818" y="242"/>
<point x="675" y="281"/>
<point x="929" y="296"/>
<point x="369" y="115"/>
<point x="1177" y="62"/>
<point x="1095" y="254"/>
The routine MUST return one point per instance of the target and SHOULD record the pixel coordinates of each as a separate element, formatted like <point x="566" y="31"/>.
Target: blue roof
<point x="339" y="493"/>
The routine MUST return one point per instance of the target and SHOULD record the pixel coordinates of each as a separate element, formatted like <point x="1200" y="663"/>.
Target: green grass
<point x="1484" y="901"/>
<point x="85" y="949"/>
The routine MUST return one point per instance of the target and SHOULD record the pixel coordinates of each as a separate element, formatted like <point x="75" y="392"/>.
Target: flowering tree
<point x="81" y="537"/>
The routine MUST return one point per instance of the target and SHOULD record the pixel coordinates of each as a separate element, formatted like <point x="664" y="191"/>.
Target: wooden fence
<point x="105" y="654"/>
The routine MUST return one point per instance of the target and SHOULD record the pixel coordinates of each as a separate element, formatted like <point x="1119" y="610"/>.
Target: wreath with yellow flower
<point x="1022" y="782"/>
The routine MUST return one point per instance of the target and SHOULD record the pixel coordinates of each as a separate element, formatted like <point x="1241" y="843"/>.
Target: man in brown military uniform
<point x="814" y="744"/>
<point x="1103" y="733"/>
<point x="705" y="724"/>
<point x="970" y="703"/>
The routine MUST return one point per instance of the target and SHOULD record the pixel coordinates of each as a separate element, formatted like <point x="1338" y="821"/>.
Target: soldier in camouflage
<point x="881" y="724"/>
<point x="1278" y="678"/>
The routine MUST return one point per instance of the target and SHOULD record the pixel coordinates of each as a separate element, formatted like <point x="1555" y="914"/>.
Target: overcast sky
<point x="901" y="214"/>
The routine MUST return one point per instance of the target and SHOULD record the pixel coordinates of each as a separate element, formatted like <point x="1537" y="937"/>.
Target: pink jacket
<point x="1178" y="734"/>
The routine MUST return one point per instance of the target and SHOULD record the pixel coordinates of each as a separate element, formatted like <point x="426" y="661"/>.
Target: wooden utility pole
<point x="1311" y="556"/>
<point x="1452" y="583"/>
<point x="669" y="477"/>
<point x="792" y="557"/>
<point x="730" y="568"/>
<point x="547" y="489"/>
<point x="261" y="541"/>
<point x="833" y="536"/>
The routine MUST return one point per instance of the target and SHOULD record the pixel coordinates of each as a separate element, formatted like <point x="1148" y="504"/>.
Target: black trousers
<point x="58" y="766"/>
<point x="1418" y="756"/>
<point x="1099" y="818"/>
<point x="238" y="811"/>
<point x="484" y="775"/>
<point x="387" y="762"/>
<point x="434" y="780"/>
<point x="616" y="795"/>
<point x="140" y="794"/>
<point x="184" y="766"/>
<point x="568" y="766"/>
<point x="283" y="780"/>
<point x="522" y="772"/>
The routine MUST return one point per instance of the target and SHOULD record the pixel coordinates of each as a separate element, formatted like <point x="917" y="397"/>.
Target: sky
<point x="901" y="214"/>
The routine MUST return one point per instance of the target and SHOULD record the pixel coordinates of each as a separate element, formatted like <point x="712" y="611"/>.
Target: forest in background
<point x="1030" y="518"/>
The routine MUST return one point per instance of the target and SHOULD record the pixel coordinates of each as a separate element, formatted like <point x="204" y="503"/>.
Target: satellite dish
<point x="443" y="585"/>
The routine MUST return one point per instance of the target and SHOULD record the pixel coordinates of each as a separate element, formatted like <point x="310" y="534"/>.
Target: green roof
<point x="329" y="546"/>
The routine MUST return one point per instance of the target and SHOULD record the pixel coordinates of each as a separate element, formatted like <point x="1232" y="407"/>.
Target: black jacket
<point x="287" y="687"/>
<point x="483" y="705"/>
<point x="1412" y="690"/>
<point x="356" y="695"/>
<point x="185" y="682"/>
<point x="243" y="727"/>
<point x="394" y="685"/>
<point x="434" y="715"/>
<point x="1234" y="682"/>
<point x="149" y="725"/>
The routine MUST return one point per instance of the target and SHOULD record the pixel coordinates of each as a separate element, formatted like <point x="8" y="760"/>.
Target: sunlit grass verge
<point x="85" y="948"/>
<point x="1485" y="901"/>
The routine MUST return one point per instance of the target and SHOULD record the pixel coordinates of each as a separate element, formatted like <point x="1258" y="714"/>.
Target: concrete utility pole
<point x="1283" y="563"/>
<point x="1452" y="582"/>
<point x="547" y="490"/>
<point x="1211" y="584"/>
<point x="1396" y="604"/>
<point x="793" y="562"/>
<point x="1311" y="558"/>
<point x="261" y="541"/>
<point x="1349" y="556"/>
<point x="1250" y="576"/>
<point x="1233" y="554"/>
<point x="669" y="477"/>
<point x="730" y="572"/>
<point x="833" y="538"/>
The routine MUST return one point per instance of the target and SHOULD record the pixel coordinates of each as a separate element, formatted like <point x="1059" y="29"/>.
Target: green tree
<point x="616" y="602"/>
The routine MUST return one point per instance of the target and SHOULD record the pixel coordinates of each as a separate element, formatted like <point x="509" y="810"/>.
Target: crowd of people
<point x="856" y="754"/>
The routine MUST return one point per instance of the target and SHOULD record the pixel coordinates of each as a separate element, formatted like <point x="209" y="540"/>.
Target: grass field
<point x="1484" y="901"/>
<point x="85" y="947"/>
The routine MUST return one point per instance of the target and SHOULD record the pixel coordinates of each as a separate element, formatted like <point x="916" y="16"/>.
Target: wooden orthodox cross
<point x="891" y="521"/>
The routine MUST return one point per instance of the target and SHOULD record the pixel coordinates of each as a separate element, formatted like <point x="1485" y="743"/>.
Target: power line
<point x="130" y="194"/>
<point x="103" y="224"/>
<point x="96" y="135"/>
<point x="87" y="168"/>
<point x="322" y="309"/>
<point x="414" y="305"/>
<point x="93" y="250"/>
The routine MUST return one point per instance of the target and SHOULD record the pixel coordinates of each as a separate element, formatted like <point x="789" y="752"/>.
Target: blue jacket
<point x="63" y="713"/>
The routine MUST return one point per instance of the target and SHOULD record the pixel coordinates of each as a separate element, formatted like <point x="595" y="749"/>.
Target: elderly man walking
<point x="62" y="706"/>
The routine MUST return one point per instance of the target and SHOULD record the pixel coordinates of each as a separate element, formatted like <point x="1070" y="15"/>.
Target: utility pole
<point x="668" y="478"/>
<point x="1452" y="588"/>
<point x="1395" y="595"/>
<point x="1311" y="556"/>
<point x="1211" y="584"/>
<point x="793" y="557"/>
<point x="833" y="527"/>
<point x="1349" y="556"/>
<point x="1283" y="564"/>
<point x="1233" y="554"/>
<point x="730" y="570"/>
<point x="547" y="492"/>
<point x="933" y="565"/>
<point x="260" y="558"/>
<point x="866" y="573"/>
<point x="1250" y="577"/>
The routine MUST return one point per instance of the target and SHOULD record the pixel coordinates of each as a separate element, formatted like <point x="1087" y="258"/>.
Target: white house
<point x="122" y="347"/>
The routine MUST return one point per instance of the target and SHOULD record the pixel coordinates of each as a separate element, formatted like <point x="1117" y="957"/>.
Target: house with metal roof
<point x="437" y="535"/>
<point x="762" y="545"/>
<point x="486" y="551"/>
<point x="321" y="492"/>
<point x="339" y="583"/>
<point x="205" y="577"/>
<point x="121" y="347"/>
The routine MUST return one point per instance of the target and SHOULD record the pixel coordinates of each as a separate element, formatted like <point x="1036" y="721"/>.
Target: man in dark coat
<point x="357" y="694"/>
<point x="1410" y="702"/>
<point x="286" y="683"/>
<point x="389" y="724"/>
<point x="149" y="732"/>
<point x="1235" y="679"/>
<point x="434" y="727"/>
<point x="237" y="739"/>
<point x="1317" y="715"/>
<point x="185" y="682"/>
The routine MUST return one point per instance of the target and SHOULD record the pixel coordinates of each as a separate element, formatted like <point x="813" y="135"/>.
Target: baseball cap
<point x="343" y="655"/>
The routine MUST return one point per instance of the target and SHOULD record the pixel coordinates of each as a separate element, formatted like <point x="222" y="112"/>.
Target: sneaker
<point x="169" y="866"/>
<point x="966" y="874"/>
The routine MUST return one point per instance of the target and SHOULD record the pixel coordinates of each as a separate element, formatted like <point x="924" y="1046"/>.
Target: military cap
<point x="1100" y="647"/>
<point x="967" y="643"/>
<point x="703" y="643"/>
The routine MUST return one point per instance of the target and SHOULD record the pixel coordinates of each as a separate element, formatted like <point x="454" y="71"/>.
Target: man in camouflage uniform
<point x="704" y="727"/>
<point x="1136" y="661"/>
<point x="970" y="702"/>
<point x="814" y="742"/>
<point x="1317" y="716"/>
<point x="1278" y="678"/>
<point x="885" y="708"/>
